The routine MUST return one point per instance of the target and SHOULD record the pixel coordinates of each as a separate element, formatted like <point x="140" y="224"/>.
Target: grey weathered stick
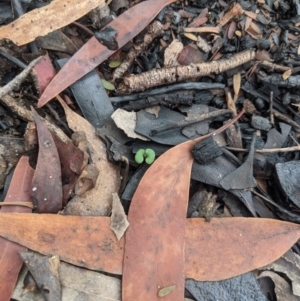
<point x="26" y="115"/>
<point x="158" y="77"/>
<point x="19" y="79"/>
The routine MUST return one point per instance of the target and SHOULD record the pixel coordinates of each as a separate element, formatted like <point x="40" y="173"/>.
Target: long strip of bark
<point x="19" y="79"/>
<point x="158" y="77"/>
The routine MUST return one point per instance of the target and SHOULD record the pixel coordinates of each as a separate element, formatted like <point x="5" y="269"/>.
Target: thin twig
<point x="13" y="59"/>
<point x="271" y="108"/>
<point x="287" y="120"/>
<point x="84" y="28"/>
<point x="19" y="79"/>
<point x="26" y="115"/>
<point x="204" y="29"/>
<point x="171" y="88"/>
<point x="164" y="76"/>
<point x="266" y="150"/>
<point x="189" y="122"/>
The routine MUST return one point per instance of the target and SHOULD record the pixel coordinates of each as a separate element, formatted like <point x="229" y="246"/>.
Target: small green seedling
<point x="148" y="155"/>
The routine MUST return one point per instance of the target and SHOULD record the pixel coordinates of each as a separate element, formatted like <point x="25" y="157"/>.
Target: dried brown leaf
<point x="98" y="200"/>
<point x="172" y="52"/>
<point x="126" y="121"/>
<point x="236" y="83"/>
<point x="87" y="241"/>
<point x="46" y="184"/>
<point x="10" y="261"/>
<point x="162" y="197"/>
<point x="55" y="15"/>
<point x="119" y="222"/>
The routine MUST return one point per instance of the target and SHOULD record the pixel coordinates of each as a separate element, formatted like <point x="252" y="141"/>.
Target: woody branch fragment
<point x="158" y="77"/>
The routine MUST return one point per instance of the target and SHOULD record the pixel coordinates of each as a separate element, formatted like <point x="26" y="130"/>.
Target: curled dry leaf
<point x="119" y="222"/>
<point x="126" y="121"/>
<point x="57" y="14"/>
<point x="172" y="52"/>
<point x="98" y="200"/>
<point x="87" y="179"/>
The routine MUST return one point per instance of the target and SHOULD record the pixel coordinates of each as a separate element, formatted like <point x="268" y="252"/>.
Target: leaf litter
<point x="239" y="23"/>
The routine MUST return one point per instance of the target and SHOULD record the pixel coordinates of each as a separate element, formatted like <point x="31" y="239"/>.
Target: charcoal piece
<point x="288" y="175"/>
<point x="263" y="44"/>
<point x="275" y="139"/>
<point x="91" y="98"/>
<point x="242" y="177"/>
<point x="286" y="98"/>
<point x="214" y="171"/>
<point x="159" y="149"/>
<point x="247" y="42"/>
<point x="262" y="210"/>
<point x="146" y="122"/>
<point x="133" y="183"/>
<point x="233" y="203"/>
<point x="194" y="111"/>
<point x="107" y="37"/>
<point x="5" y="13"/>
<point x="242" y="288"/>
<point x="206" y="151"/>
<point x="195" y="201"/>
<point x="249" y="88"/>
<point x="203" y="97"/>
<point x="118" y="150"/>
<point x="261" y="123"/>
<point x="277" y="80"/>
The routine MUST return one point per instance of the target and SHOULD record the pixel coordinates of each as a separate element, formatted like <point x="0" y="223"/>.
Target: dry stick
<point x="155" y="29"/>
<point x="158" y="77"/>
<point x="271" y="108"/>
<point x="273" y="67"/>
<point x="287" y="120"/>
<point x="204" y="29"/>
<point x="266" y="150"/>
<point x="19" y="79"/>
<point x="26" y="115"/>
<point x="182" y="123"/>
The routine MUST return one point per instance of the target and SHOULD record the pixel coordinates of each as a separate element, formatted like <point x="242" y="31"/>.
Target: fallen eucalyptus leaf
<point x="46" y="184"/>
<point x="10" y="261"/>
<point x="55" y="15"/>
